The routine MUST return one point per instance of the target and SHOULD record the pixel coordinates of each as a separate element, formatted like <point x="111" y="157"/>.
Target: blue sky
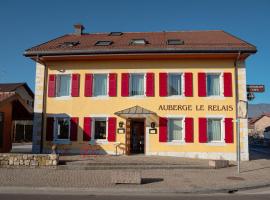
<point x="24" y="24"/>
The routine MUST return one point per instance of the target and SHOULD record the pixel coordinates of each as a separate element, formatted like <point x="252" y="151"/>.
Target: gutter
<point x="133" y="51"/>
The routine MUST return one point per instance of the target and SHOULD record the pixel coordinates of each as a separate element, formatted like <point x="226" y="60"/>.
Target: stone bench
<point x="126" y="177"/>
<point x="217" y="164"/>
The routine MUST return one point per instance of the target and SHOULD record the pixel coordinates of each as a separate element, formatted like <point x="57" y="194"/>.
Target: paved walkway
<point x="163" y="174"/>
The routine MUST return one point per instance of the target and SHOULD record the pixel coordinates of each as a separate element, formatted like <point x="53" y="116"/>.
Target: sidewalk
<point x="160" y="174"/>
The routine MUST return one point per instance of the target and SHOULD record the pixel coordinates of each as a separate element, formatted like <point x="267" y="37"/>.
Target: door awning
<point x="135" y="110"/>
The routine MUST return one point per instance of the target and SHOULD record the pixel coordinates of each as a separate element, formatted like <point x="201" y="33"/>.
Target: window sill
<point x="137" y="97"/>
<point x="100" y="97"/>
<point x="63" y="98"/>
<point x="93" y="142"/>
<point x="175" y="97"/>
<point x="62" y="142"/>
<point x="180" y="142"/>
<point x="216" y="144"/>
<point x="215" y="97"/>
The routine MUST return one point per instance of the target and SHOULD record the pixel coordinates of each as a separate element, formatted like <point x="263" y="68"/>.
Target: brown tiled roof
<point x="194" y="41"/>
<point x="253" y="120"/>
<point x="11" y="87"/>
<point x="4" y="96"/>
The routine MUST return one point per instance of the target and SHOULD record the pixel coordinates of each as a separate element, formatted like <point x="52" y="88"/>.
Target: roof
<point x="255" y="119"/>
<point x="11" y="87"/>
<point x="213" y="41"/>
<point x="6" y="97"/>
<point x="135" y="110"/>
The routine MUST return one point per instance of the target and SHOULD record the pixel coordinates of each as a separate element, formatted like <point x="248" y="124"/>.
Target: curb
<point x="119" y="191"/>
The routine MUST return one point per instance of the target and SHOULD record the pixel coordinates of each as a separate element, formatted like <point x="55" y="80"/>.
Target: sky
<point x="24" y="24"/>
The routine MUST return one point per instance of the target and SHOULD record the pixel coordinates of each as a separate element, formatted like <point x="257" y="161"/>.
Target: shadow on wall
<point x="67" y="136"/>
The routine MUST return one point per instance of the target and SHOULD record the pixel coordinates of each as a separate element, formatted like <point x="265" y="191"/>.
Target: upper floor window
<point x="214" y="130"/>
<point x="174" y="84"/>
<point x="100" y="84"/>
<point x="100" y="128"/>
<point x="175" y="129"/>
<point x="136" y="84"/>
<point x="63" y="85"/>
<point x="213" y="84"/>
<point x="62" y="128"/>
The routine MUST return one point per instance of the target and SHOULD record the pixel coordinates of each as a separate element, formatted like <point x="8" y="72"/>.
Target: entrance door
<point x="1" y="129"/>
<point x="137" y="136"/>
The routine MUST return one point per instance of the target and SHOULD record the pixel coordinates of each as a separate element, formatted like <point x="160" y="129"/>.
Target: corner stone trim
<point x="28" y="160"/>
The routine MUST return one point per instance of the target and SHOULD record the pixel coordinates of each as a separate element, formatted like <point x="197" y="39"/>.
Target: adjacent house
<point x="16" y="109"/>
<point x="258" y="125"/>
<point x="153" y="93"/>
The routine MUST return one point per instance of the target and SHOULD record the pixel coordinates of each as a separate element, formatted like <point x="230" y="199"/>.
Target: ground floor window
<point x="175" y="129"/>
<point x="100" y="128"/>
<point x="214" y="130"/>
<point x="62" y="128"/>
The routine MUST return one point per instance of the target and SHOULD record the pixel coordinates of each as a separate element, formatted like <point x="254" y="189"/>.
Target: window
<point x="138" y="42"/>
<point x="214" y="130"/>
<point x="115" y="33"/>
<point x="100" y="84"/>
<point x="175" y="129"/>
<point x="103" y="43"/>
<point x="174" y="85"/>
<point x="175" y="42"/>
<point x="69" y="44"/>
<point x="136" y="84"/>
<point x="63" y="85"/>
<point x="213" y="84"/>
<point x="62" y="128"/>
<point x="100" y="128"/>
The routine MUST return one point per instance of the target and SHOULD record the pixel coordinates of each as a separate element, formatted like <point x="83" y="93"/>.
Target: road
<point x="92" y="197"/>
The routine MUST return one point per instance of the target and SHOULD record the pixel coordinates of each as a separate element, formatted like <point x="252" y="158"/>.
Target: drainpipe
<point x="237" y="122"/>
<point x="43" y="104"/>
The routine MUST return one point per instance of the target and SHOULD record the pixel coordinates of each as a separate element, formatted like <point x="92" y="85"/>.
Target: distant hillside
<point x="257" y="109"/>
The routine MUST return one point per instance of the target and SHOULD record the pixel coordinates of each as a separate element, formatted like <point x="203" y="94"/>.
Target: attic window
<point x="103" y="43"/>
<point x="115" y="33"/>
<point x="175" y="42"/>
<point x="69" y="44"/>
<point x="138" y="42"/>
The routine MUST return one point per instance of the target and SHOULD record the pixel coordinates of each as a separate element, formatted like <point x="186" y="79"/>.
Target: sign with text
<point x="179" y="107"/>
<point x="255" y="88"/>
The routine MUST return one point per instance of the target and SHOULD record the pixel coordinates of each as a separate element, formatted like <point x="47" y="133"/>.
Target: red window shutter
<point x="74" y="128"/>
<point x="189" y="131"/>
<point x="201" y="84"/>
<point x="88" y="86"/>
<point x="112" y="84"/>
<point x="51" y="86"/>
<point x="203" y="130"/>
<point x="188" y="84"/>
<point x="150" y="83"/>
<point x="228" y="130"/>
<point x="49" y="128"/>
<point x="163" y="84"/>
<point x="227" y="84"/>
<point x="163" y="129"/>
<point x="125" y="85"/>
<point x="75" y="88"/>
<point x="112" y="129"/>
<point x="87" y="127"/>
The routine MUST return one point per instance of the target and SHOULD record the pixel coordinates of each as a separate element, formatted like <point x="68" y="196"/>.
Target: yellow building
<point x="156" y="93"/>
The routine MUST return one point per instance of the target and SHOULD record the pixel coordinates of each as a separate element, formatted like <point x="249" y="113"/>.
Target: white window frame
<point x="221" y="88"/>
<point x="130" y="84"/>
<point x="93" y="86"/>
<point x="222" y="131"/>
<point x="55" y="130"/>
<point x="182" y="84"/>
<point x="183" y="129"/>
<point x="94" y="119"/>
<point x="57" y="84"/>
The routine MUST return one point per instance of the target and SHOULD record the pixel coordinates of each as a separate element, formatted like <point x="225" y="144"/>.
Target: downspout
<point x="43" y="103"/>
<point x="237" y="122"/>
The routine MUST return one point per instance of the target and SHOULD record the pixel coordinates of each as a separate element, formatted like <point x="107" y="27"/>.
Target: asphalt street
<point x="92" y="197"/>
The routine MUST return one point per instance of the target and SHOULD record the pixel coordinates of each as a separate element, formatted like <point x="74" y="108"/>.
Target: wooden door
<point x="128" y="136"/>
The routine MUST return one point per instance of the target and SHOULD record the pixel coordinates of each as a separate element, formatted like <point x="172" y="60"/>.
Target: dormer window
<point x="115" y="33"/>
<point x="69" y="44"/>
<point x="138" y="42"/>
<point x="103" y="43"/>
<point x="175" y="42"/>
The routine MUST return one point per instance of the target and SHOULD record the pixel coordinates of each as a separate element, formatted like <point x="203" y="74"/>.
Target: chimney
<point x="78" y="29"/>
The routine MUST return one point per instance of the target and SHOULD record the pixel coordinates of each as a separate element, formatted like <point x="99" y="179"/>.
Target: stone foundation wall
<point x="28" y="160"/>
